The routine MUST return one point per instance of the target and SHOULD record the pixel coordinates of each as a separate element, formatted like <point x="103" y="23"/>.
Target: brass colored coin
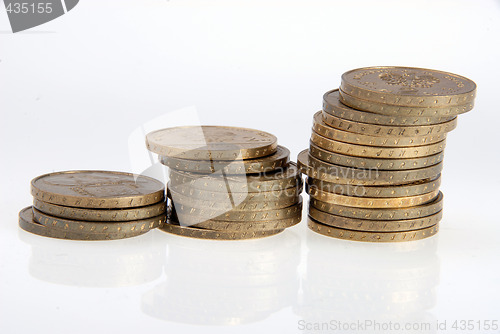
<point x="382" y="164"/>
<point x="235" y="201"/>
<point x="332" y="105"/>
<point x="410" y="189"/>
<point x="420" y="211"/>
<point x="100" y="215"/>
<point x="407" y="86"/>
<point x="273" y="225"/>
<point x="318" y="169"/>
<point x="374" y="225"/>
<point x="327" y="131"/>
<point x="97" y="189"/>
<point x="377" y="152"/>
<point x="199" y="233"/>
<point x="279" y="159"/>
<point x="282" y="178"/>
<point x="339" y="233"/>
<point x="392" y="110"/>
<point x="187" y="214"/>
<point x="211" y="143"/>
<point x="388" y="130"/>
<point x="27" y="223"/>
<point x="133" y="226"/>
<point x="371" y="202"/>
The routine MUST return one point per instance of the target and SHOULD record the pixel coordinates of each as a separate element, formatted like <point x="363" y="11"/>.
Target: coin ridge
<point x="250" y="226"/>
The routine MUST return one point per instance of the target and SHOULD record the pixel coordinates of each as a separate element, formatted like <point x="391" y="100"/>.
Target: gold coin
<point x="374" y="225"/>
<point x="408" y="86"/>
<point x="378" y="152"/>
<point x="211" y="143"/>
<point x="97" y="189"/>
<point x="420" y="211"/>
<point x="339" y="233"/>
<point x="374" y="163"/>
<point x="272" y="225"/>
<point x="279" y="159"/>
<point x="371" y="202"/>
<point x="27" y="223"/>
<point x="187" y="214"/>
<point x="318" y="169"/>
<point x="392" y="110"/>
<point x="199" y="233"/>
<point x="333" y="105"/>
<point x="390" y="131"/>
<point x="410" y="189"/>
<point x="327" y="131"/>
<point x="281" y="178"/>
<point x="106" y="215"/>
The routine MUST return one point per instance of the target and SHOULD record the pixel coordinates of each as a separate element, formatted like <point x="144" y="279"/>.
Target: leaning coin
<point x="211" y="143"/>
<point x="388" y="130"/>
<point x="374" y="225"/>
<point x="266" y="164"/>
<point x="408" y="86"/>
<point x="97" y="189"/>
<point x="420" y="211"/>
<point x="378" y="163"/>
<point x="333" y="106"/>
<point x="410" y="189"/>
<point x="106" y="215"/>
<point x="272" y="225"/>
<point x="329" y="132"/>
<point x="371" y="236"/>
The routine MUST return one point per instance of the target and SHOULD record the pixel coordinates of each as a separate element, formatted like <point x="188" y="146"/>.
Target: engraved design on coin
<point x="409" y="80"/>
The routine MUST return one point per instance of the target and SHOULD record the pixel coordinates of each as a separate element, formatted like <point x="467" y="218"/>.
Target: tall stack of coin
<point x="94" y="205"/>
<point x="227" y="182"/>
<point x="376" y="153"/>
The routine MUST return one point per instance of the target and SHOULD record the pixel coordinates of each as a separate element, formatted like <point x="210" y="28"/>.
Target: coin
<point x="27" y="223"/>
<point x="97" y="189"/>
<point x="273" y="225"/>
<point x="332" y="105"/>
<point x="408" y="86"/>
<point x="199" y="233"/>
<point x="211" y="143"/>
<point x="282" y="178"/>
<point x="374" y="225"/>
<point x="374" y="163"/>
<point x="372" y="202"/>
<point x="377" y="152"/>
<point x="279" y="159"/>
<point x="327" y="131"/>
<point x="371" y="236"/>
<point x="410" y="189"/>
<point x="105" y="215"/>
<point x="318" y="169"/>
<point x="423" y="210"/>
<point x="388" y="131"/>
<point x="391" y="110"/>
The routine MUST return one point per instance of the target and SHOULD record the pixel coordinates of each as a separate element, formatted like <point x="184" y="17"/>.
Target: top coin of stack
<point x="376" y="152"/>
<point x="94" y="205"/>
<point x="227" y="182"/>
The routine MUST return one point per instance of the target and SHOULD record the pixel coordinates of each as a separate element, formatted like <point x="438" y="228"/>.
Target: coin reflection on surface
<point x="116" y="263"/>
<point x="225" y="283"/>
<point x="368" y="282"/>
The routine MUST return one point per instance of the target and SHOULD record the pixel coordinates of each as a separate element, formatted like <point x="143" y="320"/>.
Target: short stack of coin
<point x="376" y="153"/>
<point x="94" y="205"/>
<point x="227" y="182"/>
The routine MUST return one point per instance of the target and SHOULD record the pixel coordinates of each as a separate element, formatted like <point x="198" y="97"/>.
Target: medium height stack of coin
<point x="227" y="182"/>
<point x="376" y="153"/>
<point x="94" y="205"/>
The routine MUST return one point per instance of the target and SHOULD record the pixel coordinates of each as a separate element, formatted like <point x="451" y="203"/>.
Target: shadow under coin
<point x="212" y="282"/>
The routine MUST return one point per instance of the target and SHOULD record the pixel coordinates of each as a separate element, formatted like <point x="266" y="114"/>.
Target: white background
<point x="73" y="90"/>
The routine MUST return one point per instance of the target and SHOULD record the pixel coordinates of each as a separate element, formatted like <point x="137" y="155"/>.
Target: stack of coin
<point x="94" y="205"/>
<point x="376" y="153"/>
<point x="227" y="182"/>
